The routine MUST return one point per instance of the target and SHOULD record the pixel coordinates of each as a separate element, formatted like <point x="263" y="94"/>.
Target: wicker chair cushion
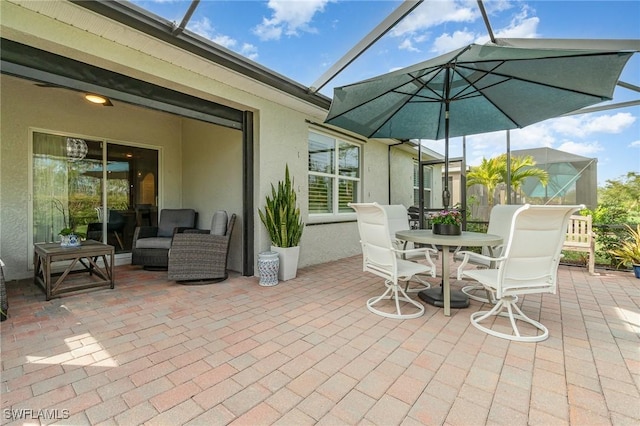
<point x="175" y="218"/>
<point x="154" y="242"/>
<point x="219" y="223"/>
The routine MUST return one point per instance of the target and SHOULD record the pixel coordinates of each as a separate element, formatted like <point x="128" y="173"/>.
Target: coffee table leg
<point x="46" y="272"/>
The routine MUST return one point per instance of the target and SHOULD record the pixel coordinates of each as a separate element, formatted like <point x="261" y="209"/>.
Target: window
<point x="427" y="177"/>
<point x="334" y="175"/>
<point x="71" y="187"/>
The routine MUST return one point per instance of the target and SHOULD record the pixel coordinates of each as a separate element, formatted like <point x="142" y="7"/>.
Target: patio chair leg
<point x="397" y="294"/>
<point x="509" y="303"/>
<point x="423" y="285"/>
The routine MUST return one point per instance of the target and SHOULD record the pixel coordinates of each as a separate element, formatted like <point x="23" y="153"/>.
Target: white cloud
<point x="635" y="144"/>
<point x="586" y="149"/>
<point x="521" y="26"/>
<point x="202" y="27"/>
<point x="580" y="126"/>
<point x="268" y="31"/>
<point x="432" y="13"/>
<point x="250" y="51"/>
<point x="446" y="42"/>
<point x="289" y="18"/>
<point x="224" y="41"/>
<point x="414" y="27"/>
<point x="407" y="45"/>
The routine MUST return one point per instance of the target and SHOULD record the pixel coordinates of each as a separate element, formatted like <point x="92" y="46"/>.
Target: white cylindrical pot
<point x="268" y="266"/>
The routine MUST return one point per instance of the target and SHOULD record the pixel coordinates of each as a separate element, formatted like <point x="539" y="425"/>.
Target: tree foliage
<point x="492" y="172"/>
<point x="521" y="169"/>
<point x="617" y="205"/>
<point x="623" y="193"/>
<point x="487" y="174"/>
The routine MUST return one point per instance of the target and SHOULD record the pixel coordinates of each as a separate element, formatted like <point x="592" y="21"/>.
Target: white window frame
<point x="337" y="216"/>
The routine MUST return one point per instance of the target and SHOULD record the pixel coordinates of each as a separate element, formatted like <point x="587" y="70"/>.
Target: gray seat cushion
<point x="175" y="218"/>
<point x="154" y="242"/>
<point x="219" y="223"/>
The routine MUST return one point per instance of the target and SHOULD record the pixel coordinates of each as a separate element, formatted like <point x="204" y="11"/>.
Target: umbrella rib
<point x="411" y="96"/>
<point x="493" y="72"/>
<point x="421" y="85"/>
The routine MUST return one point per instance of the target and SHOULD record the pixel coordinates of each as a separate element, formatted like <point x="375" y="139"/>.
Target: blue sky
<point x="300" y="39"/>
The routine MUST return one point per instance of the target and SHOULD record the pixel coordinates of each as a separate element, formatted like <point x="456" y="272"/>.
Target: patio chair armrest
<point x="195" y="231"/>
<point x="181" y="230"/>
<point x="467" y="256"/>
<point x="427" y="251"/>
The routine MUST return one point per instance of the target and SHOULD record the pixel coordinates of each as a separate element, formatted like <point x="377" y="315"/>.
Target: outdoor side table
<point x="80" y="259"/>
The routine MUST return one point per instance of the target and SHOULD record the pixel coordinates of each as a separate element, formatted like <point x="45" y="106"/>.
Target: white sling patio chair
<point x="499" y="224"/>
<point x="398" y="220"/>
<point x="380" y="257"/>
<point x="528" y="265"/>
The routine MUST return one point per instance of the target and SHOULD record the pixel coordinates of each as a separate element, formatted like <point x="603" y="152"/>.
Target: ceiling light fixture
<point x="98" y="99"/>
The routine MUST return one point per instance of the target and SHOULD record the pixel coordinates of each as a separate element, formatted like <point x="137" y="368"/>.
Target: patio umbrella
<point x="476" y="89"/>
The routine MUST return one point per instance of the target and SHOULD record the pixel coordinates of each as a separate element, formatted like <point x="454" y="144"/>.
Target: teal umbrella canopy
<point x="485" y="88"/>
<point x="476" y="89"/>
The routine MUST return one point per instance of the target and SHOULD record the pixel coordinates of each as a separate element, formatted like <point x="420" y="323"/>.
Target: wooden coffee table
<point x="80" y="259"/>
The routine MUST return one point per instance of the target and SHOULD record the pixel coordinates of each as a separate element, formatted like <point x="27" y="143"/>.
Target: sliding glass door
<point x="100" y="189"/>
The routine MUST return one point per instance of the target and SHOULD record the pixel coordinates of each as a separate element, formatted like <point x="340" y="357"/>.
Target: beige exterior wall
<point x="200" y="163"/>
<point x="212" y="177"/>
<point x="402" y="177"/>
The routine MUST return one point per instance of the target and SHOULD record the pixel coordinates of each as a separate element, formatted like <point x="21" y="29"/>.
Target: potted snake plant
<point x="628" y="251"/>
<point x="281" y="217"/>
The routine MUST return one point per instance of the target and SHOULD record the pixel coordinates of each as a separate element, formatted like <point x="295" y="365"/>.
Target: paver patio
<point x="307" y="351"/>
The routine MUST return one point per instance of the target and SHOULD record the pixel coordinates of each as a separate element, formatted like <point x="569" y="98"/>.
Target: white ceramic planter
<point x="71" y="240"/>
<point x="288" y="261"/>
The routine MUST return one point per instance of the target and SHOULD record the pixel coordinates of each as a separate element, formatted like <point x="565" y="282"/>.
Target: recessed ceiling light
<point x="98" y="99"/>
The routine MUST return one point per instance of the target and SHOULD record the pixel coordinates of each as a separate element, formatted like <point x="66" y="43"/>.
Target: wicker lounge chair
<point x="199" y="256"/>
<point x="151" y="244"/>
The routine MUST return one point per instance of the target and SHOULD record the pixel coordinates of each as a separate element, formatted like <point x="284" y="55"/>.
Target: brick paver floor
<point x="307" y="351"/>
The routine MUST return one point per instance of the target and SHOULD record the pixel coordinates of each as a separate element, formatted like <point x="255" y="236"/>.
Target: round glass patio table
<point x="441" y="297"/>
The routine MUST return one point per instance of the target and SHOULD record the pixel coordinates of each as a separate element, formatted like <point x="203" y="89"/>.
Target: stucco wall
<point x="26" y="106"/>
<point x="280" y="124"/>
<point x="401" y="177"/>
<point x="212" y="177"/>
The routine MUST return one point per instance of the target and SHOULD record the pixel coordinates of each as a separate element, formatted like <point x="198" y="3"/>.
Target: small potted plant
<point x="281" y="217"/>
<point x="69" y="237"/>
<point x="628" y="252"/>
<point x="447" y="222"/>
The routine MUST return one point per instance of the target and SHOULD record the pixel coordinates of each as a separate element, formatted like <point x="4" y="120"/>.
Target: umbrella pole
<point x="508" y="167"/>
<point x="446" y="195"/>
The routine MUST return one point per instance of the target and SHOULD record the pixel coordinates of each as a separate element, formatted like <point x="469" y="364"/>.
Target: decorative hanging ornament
<point x="76" y="149"/>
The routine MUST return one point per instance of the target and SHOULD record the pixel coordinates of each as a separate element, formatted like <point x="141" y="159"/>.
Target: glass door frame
<point x="105" y="142"/>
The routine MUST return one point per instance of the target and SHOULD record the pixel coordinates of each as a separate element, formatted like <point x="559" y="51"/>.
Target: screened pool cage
<point x="572" y="180"/>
